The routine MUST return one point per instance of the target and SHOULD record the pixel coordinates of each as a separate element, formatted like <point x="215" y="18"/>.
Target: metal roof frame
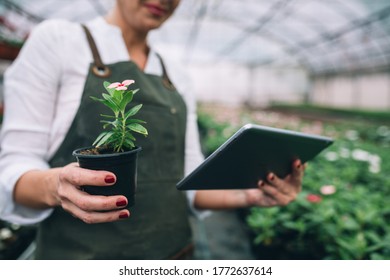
<point x="359" y="42"/>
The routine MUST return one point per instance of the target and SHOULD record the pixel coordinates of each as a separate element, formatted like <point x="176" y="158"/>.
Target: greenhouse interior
<point x="318" y="67"/>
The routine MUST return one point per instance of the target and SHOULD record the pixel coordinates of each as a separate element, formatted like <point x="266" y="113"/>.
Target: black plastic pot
<point x="123" y="165"/>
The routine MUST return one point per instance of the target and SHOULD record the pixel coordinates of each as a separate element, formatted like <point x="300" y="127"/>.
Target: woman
<point x="48" y="115"/>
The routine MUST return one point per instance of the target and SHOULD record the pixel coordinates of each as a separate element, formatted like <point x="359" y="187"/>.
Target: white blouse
<point x="43" y="89"/>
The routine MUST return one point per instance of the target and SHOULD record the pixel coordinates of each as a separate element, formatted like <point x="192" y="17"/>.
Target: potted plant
<point x="114" y="149"/>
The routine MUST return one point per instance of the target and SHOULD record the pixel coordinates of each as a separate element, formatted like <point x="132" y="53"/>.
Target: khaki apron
<point x="158" y="227"/>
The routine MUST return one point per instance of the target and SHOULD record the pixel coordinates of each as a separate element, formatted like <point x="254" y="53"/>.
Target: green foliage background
<point x="352" y="223"/>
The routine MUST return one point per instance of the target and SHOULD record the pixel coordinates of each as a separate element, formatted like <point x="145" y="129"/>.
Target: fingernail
<point x="271" y="176"/>
<point x="261" y="183"/>
<point x="121" y="202"/>
<point x="109" y="179"/>
<point x="123" y="216"/>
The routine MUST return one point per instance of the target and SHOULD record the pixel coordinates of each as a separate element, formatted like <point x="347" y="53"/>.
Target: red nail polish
<point x="109" y="179"/>
<point x="123" y="216"/>
<point x="271" y="177"/>
<point x="262" y="184"/>
<point x="121" y="202"/>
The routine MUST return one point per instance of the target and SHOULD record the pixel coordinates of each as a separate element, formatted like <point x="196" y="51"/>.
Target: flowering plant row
<point x="343" y="210"/>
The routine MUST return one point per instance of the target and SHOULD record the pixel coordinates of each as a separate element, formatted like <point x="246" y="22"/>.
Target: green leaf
<point x="127" y="97"/>
<point x="108" y="116"/>
<point x="129" y="143"/>
<point x="346" y="245"/>
<point x="109" y="98"/>
<point x="98" y="138"/>
<point x="138" y="128"/>
<point x="104" y="139"/>
<point x="375" y="247"/>
<point x="107" y="123"/>
<point x="116" y="137"/>
<point x="97" y="99"/>
<point x="259" y="239"/>
<point x="111" y="102"/>
<point x="106" y="103"/>
<point x="118" y="96"/>
<point x="106" y="84"/>
<point x="129" y="121"/>
<point x="130" y="136"/>
<point x="110" y="90"/>
<point x="133" y="111"/>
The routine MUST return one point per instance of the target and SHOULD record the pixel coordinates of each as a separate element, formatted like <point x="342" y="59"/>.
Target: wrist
<point x="37" y="189"/>
<point x="221" y="199"/>
<point x="51" y="182"/>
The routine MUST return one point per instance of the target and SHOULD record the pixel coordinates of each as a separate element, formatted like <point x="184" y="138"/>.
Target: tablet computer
<point x="250" y="154"/>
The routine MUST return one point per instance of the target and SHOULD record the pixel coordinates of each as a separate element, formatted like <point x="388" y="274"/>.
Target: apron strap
<point x="166" y="81"/>
<point x="99" y="69"/>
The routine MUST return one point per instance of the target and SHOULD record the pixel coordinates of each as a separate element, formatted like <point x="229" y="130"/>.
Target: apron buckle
<point x="101" y="71"/>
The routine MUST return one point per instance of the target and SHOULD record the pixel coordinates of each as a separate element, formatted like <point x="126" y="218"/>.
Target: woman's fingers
<point x="283" y="191"/>
<point x="80" y="177"/>
<point x="275" y="194"/>
<point x="96" y="217"/>
<point x="297" y="172"/>
<point x="279" y="184"/>
<point x="86" y="207"/>
<point x="259" y="198"/>
<point x="95" y="208"/>
<point x="292" y="183"/>
<point x="89" y="202"/>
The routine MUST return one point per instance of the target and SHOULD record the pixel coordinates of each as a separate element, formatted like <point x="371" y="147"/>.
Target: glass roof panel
<point x="322" y="36"/>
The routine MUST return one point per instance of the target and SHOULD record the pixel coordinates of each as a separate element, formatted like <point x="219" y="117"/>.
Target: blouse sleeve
<point x="30" y="87"/>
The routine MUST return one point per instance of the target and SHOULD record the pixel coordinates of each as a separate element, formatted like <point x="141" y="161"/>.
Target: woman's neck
<point x="135" y="41"/>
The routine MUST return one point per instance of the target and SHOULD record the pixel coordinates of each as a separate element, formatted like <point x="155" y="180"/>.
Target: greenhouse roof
<point x="327" y="36"/>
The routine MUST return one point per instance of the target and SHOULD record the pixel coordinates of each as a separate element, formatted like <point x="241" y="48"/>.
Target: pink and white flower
<point x="313" y="198"/>
<point x="121" y="86"/>
<point x="328" y="190"/>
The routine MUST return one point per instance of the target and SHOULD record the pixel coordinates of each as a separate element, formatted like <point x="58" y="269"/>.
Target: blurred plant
<point x="213" y="134"/>
<point x="343" y="210"/>
<point x="15" y="239"/>
<point x="351" y="224"/>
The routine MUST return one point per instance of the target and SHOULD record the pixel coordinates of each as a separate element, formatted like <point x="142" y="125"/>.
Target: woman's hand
<point x="272" y="192"/>
<point x="275" y="191"/>
<point x="86" y="207"/>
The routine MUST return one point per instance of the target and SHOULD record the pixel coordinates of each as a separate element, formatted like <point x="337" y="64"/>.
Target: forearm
<point x="37" y="189"/>
<point x="273" y="191"/>
<point x="220" y="199"/>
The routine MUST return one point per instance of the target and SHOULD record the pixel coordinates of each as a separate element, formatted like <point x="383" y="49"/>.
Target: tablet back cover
<point x="250" y="154"/>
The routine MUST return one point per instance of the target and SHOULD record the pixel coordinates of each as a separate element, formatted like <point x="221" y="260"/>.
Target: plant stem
<point x="123" y="131"/>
